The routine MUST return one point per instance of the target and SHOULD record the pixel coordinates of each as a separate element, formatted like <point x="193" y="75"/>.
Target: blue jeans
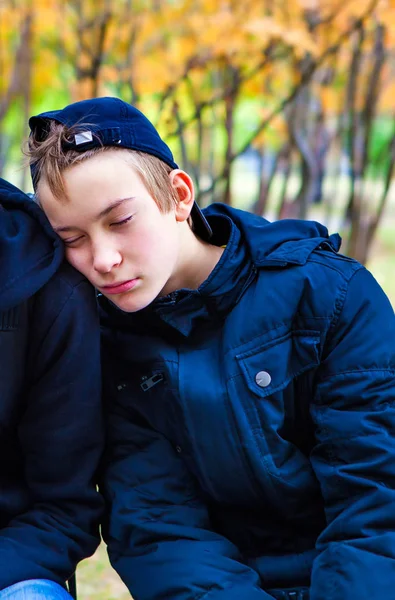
<point x="35" y="589"/>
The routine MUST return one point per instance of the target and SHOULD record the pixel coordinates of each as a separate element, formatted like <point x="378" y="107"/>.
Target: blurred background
<point x="283" y="107"/>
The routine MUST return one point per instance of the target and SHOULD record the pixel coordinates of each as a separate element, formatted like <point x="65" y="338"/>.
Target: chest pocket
<point x="272" y="366"/>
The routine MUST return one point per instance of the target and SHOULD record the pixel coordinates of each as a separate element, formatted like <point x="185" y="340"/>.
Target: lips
<point x="119" y="288"/>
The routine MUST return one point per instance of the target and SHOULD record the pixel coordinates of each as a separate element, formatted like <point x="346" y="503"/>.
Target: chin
<point x="130" y="303"/>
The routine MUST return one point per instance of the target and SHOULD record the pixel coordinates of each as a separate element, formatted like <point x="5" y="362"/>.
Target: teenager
<point x="249" y="373"/>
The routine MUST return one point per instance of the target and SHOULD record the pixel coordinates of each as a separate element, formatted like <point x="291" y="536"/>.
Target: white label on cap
<point x="83" y="137"/>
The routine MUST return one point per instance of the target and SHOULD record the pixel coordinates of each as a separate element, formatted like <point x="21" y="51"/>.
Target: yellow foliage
<point x="153" y="45"/>
<point x="386" y="98"/>
<point x="330" y="100"/>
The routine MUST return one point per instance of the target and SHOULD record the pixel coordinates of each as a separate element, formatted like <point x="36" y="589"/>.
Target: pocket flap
<point x="271" y="367"/>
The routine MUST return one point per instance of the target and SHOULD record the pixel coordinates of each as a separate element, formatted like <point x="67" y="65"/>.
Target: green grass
<point x="96" y="580"/>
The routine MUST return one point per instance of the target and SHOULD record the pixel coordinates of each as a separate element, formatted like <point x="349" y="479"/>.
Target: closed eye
<point x="71" y="241"/>
<point x="123" y="222"/>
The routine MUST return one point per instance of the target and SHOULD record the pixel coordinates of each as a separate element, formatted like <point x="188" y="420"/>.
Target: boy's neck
<point x="198" y="260"/>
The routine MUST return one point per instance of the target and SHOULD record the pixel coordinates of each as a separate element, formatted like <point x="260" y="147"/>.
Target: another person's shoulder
<point x="68" y="279"/>
<point x="66" y="290"/>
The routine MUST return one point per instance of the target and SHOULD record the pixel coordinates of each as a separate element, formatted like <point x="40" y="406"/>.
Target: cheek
<point x="79" y="260"/>
<point x="156" y="243"/>
<point x="143" y="247"/>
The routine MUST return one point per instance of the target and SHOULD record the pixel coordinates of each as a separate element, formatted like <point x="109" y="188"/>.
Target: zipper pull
<point x="148" y="383"/>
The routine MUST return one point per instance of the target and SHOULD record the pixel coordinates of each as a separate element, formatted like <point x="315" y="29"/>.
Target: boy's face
<point x="114" y="232"/>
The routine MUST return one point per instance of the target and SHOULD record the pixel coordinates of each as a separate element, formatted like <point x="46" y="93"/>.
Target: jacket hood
<point x="289" y="241"/>
<point x="30" y="251"/>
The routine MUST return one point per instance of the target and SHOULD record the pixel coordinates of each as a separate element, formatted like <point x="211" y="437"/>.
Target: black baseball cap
<point x="112" y="122"/>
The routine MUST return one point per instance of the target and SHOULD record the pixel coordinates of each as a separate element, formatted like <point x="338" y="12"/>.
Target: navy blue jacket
<point x="253" y="425"/>
<point x="50" y="413"/>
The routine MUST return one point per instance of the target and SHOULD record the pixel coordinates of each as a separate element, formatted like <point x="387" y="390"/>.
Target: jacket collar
<point x="215" y="297"/>
<point x="282" y="243"/>
<point x="184" y="309"/>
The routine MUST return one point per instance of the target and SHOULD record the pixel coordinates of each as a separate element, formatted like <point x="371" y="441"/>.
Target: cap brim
<point x="200" y="224"/>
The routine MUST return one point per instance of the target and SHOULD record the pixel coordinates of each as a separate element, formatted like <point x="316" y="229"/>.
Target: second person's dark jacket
<point x="50" y="407"/>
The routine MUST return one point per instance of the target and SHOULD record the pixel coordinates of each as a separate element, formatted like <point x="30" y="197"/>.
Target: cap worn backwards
<point x="111" y="122"/>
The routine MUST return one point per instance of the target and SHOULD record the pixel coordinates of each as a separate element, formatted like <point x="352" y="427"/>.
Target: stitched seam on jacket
<point x="323" y="263"/>
<point x="211" y="588"/>
<point x="357" y="371"/>
<point x="61" y="309"/>
<point x="340" y="301"/>
<point x="14" y="280"/>
<point x="280" y="385"/>
<point x="259" y="335"/>
<point x="9" y="319"/>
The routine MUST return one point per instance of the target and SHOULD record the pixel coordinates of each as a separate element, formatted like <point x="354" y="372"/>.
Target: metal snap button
<point x="263" y="379"/>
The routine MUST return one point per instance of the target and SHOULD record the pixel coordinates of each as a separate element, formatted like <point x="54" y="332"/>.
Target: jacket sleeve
<point x="60" y="435"/>
<point x="354" y="457"/>
<point x="159" y="536"/>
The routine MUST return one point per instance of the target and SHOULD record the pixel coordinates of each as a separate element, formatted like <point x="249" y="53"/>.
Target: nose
<point x="105" y="258"/>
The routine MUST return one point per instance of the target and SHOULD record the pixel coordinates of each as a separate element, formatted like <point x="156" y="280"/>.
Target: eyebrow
<point x="101" y="214"/>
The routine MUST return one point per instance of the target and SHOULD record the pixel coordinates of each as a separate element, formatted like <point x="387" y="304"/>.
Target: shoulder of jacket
<point x="67" y="278"/>
<point x="66" y="288"/>
<point x="320" y="284"/>
<point x="344" y="266"/>
<point x="319" y="260"/>
<point x="70" y="276"/>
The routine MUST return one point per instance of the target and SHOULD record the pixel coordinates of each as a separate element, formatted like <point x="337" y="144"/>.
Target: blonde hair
<point x="51" y="157"/>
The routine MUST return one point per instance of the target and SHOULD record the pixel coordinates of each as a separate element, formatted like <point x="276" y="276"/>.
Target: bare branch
<point x="224" y="93"/>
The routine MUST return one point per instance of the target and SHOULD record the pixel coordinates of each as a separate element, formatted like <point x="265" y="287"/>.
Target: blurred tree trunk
<point x="359" y="210"/>
<point x="19" y="84"/>
<point x="284" y="208"/>
<point x="265" y="182"/>
<point x="230" y="104"/>
<point x="299" y="114"/>
<point x="26" y="67"/>
<point x="93" y="20"/>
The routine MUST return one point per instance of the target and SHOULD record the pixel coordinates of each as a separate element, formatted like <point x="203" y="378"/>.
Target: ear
<point x="183" y="187"/>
